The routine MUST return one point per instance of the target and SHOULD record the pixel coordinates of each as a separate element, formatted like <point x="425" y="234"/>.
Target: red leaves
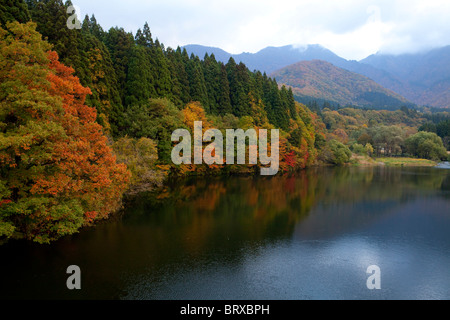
<point x="59" y="171"/>
<point x="290" y="159"/>
<point x="84" y="166"/>
<point x="4" y="202"/>
<point x="90" y="216"/>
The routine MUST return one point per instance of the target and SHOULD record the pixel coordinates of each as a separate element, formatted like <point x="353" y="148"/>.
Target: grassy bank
<point x="406" y="162"/>
<point x="360" y="161"/>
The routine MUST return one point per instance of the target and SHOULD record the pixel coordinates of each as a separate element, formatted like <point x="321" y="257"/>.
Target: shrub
<point x="426" y="145"/>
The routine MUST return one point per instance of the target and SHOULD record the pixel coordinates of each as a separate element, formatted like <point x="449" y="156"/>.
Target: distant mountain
<point x="424" y="77"/>
<point x="270" y="59"/>
<point x="321" y="80"/>
<point x="200" y="51"/>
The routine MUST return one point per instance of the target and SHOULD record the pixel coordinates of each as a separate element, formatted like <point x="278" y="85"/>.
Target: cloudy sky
<point x="352" y="29"/>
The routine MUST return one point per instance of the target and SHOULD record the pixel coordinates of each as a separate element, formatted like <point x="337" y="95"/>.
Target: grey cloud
<point x="252" y="25"/>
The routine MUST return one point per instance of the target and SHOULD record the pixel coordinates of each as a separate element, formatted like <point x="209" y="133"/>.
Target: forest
<point x="86" y="117"/>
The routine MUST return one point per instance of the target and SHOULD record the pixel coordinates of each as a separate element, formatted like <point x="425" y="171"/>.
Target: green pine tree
<point x="120" y="45"/>
<point x="224" y="102"/>
<point x="13" y="10"/>
<point x="140" y="86"/>
<point x="163" y="80"/>
<point x="197" y="83"/>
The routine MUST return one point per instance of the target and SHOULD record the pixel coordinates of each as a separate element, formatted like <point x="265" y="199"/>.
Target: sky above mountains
<point x="353" y="29"/>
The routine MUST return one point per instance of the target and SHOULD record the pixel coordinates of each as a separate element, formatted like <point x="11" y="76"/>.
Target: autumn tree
<point x="57" y="171"/>
<point x="388" y="140"/>
<point x="340" y="153"/>
<point x="156" y="119"/>
<point x="369" y="149"/>
<point x="84" y="51"/>
<point x="140" y="157"/>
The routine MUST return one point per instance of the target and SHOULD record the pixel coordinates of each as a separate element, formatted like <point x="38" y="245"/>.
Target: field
<point x="406" y="162"/>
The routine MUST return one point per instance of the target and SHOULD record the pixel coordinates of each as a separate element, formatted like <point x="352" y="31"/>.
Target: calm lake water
<point x="307" y="236"/>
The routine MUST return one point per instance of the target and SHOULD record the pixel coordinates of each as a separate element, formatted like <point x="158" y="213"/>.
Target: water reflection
<point x="286" y="237"/>
<point x="262" y="208"/>
<point x="443" y="165"/>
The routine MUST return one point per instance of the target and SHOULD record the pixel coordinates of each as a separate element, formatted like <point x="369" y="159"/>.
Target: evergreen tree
<point x="147" y="36"/>
<point x="95" y="29"/>
<point x="51" y="17"/>
<point x="244" y="80"/>
<point x="258" y="80"/>
<point x="291" y="104"/>
<point x="239" y="82"/>
<point x="197" y="84"/>
<point x="224" y="102"/>
<point x="100" y="77"/>
<point x="183" y="60"/>
<point x="163" y="80"/>
<point x="212" y="73"/>
<point x="180" y="80"/>
<point x="13" y="10"/>
<point x="120" y="45"/>
<point x="91" y="26"/>
<point x="140" y="86"/>
<point x="276" y="109"/>
<point x="144" y="37"/>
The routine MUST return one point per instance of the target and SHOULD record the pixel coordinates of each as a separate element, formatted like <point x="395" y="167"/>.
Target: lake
<point x="311" y="235"/>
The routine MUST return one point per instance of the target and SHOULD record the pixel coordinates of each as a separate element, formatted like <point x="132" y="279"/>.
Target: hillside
<point x="422" y="78"/>
<point x="271" y="59"/>
<point x="93" y="121"/>
<point x="322" y="80"/>
<point x="200" y="51"/>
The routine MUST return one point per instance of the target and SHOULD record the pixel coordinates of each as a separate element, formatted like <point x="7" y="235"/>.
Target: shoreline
<point x="365" y="161"/>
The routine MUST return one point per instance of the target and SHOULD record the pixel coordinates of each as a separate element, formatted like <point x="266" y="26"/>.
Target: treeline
<point x="57" y="171"/>
<point x="128" y="72"/>
<point x="87" y="115"/>
<point x="138" y="85"/>
<point x="352" y="119"/>
<point x="392" y="141"/>
<point x="124" y="70"/>
<point x="385" y="133"/>
<point x="442" y="129"/>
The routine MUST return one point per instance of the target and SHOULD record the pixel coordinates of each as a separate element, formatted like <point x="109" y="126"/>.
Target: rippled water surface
<point x="307" y="236"/>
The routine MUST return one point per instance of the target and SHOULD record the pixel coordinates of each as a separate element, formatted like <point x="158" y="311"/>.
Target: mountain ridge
<point x="271" y="58"/>
<point x="425" y="75"/>
<point x="428" y="88"/>
<point x="323" y="80"/>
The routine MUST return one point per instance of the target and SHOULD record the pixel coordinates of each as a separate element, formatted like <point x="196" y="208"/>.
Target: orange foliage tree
<point x="191" y="113"/>
<point x="57" y="171"/>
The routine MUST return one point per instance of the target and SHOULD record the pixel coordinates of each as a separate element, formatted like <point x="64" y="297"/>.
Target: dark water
<point x="308" y="236"/>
